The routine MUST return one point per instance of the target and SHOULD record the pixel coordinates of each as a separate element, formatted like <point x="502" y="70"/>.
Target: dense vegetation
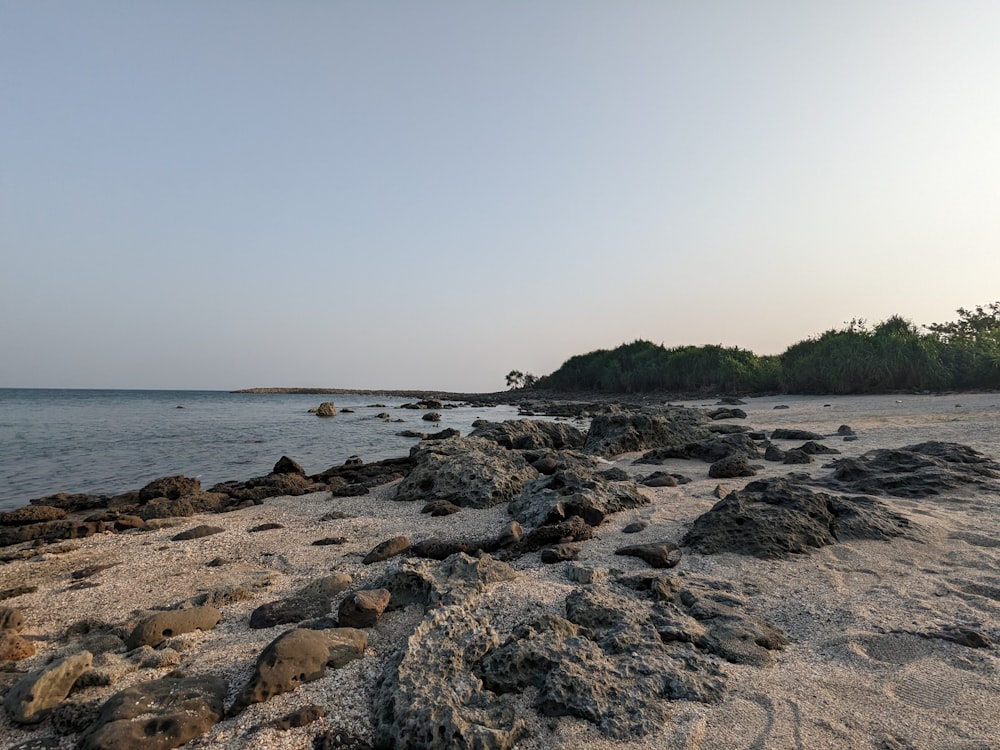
<point x="894" y="355"/>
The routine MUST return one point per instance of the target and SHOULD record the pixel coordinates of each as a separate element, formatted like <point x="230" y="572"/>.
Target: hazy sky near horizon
<point x="429" y="194"/>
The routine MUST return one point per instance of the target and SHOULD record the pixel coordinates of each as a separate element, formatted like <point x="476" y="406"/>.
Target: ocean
<point x="111" y="441"/>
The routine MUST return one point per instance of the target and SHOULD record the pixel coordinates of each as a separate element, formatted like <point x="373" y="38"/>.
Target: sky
<point x="430" y="194"/>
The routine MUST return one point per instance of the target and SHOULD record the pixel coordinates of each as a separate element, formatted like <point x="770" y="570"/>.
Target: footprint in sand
<point x="892" y="648"/>
<point x="932" y="684"/>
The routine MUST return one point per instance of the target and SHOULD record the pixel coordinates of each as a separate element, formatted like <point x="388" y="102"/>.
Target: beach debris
<point x="160" y="714"/>
<point x="774" y="518"/>
<point x="296" y="657"/>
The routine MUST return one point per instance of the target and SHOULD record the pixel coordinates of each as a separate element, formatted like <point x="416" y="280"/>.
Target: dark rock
<point x="728" y="429"/>
<point x="362" y="608"/>
<point x="432" y="416"/>
<point x="51" y="531"/>
<point x="198" y="532"/>
<point x="299" y="718"/>
<point x="730" y="401"/>
<point x="546" y="465"/>
<point x="558" y="553"/>
<point x="573" y="529"/>
<point x="735" y="465"/>
<point x="727" y="414"/>
<point x="329" y="540"/>
<point x="158" y="715"/>
<point x="312" y="600"/>
<point x="11" y="619"/>
<point x="440" y="508"/>
<point x="782" y="406"/>
<point x="265" y="527"/>
<point x="288" y="465"/>
<point x="708" y="449"/>
<point x="844" y="430"/>
<point x="35" y="694"/>
<point x="326" y="409"/>
<point x="624" y="432"/>
<point x="529" y="434"/>
<point x="258" y="489"/>
<point x="17" y="591"/>
<point x="657" y="555"/>
<point x="296" y="657"/>
<point x="171" y="488"/>
<point x="128" y="522"/>
<point x="660" y="479"/>
<point x="90" y="570"/>
<point x="157" y="628"/>
<point x="369" y="475"/>
<point x="783" y="434"/>
<point x="773" y="518"/>
<point x="337" y="738"/>
<point x="919" y="470"/>
<point x="71" y="717"/>
<point x="614" y="474"/>
<point x="452" y="581"/>
<point x="397" y="545"/>
<point x="72" y="502"/>
<point x="635" y="527"/>
<point x="773" y="453"/>
<point x="578" y="491"/>
<point x="470" y="472"/>
<point x="439" y="549"/>
<point x="816" y="449"/>
<point x="31" y="514"/>
<point x="797" y="456"/>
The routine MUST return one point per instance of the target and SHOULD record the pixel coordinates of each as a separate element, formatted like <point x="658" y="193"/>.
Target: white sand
<point x="851" y="678"/>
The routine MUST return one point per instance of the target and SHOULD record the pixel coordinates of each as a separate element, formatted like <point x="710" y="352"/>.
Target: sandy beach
<point x="865" y="665"/>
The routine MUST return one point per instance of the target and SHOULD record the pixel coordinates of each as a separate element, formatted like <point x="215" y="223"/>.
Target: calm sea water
<point x="105" y="442"/>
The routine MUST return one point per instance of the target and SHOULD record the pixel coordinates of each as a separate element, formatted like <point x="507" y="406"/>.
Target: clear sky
<point x="429" y="194"/>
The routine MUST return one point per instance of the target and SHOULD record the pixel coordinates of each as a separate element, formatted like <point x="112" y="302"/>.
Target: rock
<point x="171" y="488"/>
<point x="329" y="540"/>
<point x="573" y="529"/>
<point x="11" y="619"/>
<point x="299" y="718"/>
<point x="326" y="409"/>
<point x="13" y="647"/>
<point x="729" y="429"/>
<point x="362" y="608"/>
<point x="774" y="518"/>
<point x="198" y="532"/>
<point x="51" y="531"/>
<point x="530" y="434"/>
<point x="707" y="449"/>
<point x="128" y="522"/>
<point x="735" y="465"/>
<point x="816" y="449"/>
<point x="658" y="555"/>
<point x="579" y="573"/>
<point x="158" y="715"/>
<point x="635" y="527"/>
<point x="558" y="553"/>
<point x="727" y="414"/>
<point x="921" y="470"/>
<point x="258" y="489"/>
<point x="730" y="401"/>
<point x="660" y="479"/>
<point x="624" y="432"/>
<point x="455" y="580"/>
<point x="782" y="406"/>
<point x="265" y="527"/>
<point x="154" y="630"/>
<point x="774" y="453"/>
<point x="312" y="600"/>
<point x="34" y="695"/>
<point x="71" y="717"/>
<point x="440" y="508"/>
<point x="845" y="430"/>
<point x="577" y="491"/>
<point x="372" y="474"/>
<point x="783" y="434"/>
<point x="469" y="472"/>
<point x="296" y="657"/>
<point x="545" y="465"/>
<point x="338" y="738"/>
<point x="440" y="549"/>
<point x="288" y="465"/>
<point x="31" y="514"/>
<point x="428" y="697"/>
<point x="432" y="416"/>
<point x="397" y="545"/>
<point x="796" y="456"/>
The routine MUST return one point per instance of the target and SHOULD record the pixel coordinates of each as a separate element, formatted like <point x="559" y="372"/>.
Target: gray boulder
<point x="470" y="472"/>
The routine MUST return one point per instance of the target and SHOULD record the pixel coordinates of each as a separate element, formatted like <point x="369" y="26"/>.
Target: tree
<point x="517" y="380"/>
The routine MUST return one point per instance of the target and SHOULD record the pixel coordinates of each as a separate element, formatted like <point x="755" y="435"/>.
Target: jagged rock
<point x="451" y="581"/>
<point x="786" y="434"/>
<point x="30" y="699"/>
<point x="288" y="465"/>
<point x="326" y="409"/>
<point x="439" y="549"/>
<point x="573" y="529"/>
<point x="371" y="474"/>
<point x="545" y="465"/>
<point x="31" y="514"/>
<point x="158" y="715"/>
<point x="656" y="554"/>
<point x="730" y="401"/>
<point x="707" y="449"/>
<point x="312" y="600"/>
<point x="71" y="717"/>
<point x="796" y="457"/>
<point x="470" y="472"/>
<point x="171" y="488"/>
<point x="362" y="608"/>
<point x="51" y="531"/>
<point x="428" y="697"/>
<point x="72" y="502"/>
<point x="529" y="434"/>
<point x="397" y="545"/>
<point x="154" y="630"/>
<point x="329" y="540"/>
<point x="296" y="657"/>
<point x="624" y="432"/>
<point x="570" y="492"/>
<point x="198" y="532"/>
<point x="635" y="527"/>
<point x="258" y="489"/>
<point x="11" y="618"/>
<point x="558" y="553"/>
<point x="919" y="470"/>
<point x="735" y="465"/>
<point x="816" y="449"/>
<point x="14" y="647"/>
<point x="614" y="474"/>
<point x="845" y="430"/>
<point x="338" y="739"/>
<point x="773" y="518"/>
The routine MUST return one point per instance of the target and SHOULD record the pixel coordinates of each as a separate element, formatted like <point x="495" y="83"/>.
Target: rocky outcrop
<point x="158" y="715"/>
<point x="774" y="518"/>
<point x="31" y="514"/>
<point x="530" y="434"/>
<point x="921" y="470"/>
<point x="455" y="580"/>
<point x="429" y="698"/>
<point x="30" y="699"/>
<point x="157" y="628"/>
<point x="296" y="657"/>
<point x="469" y="472"/>
<point x="578" y="491"/>
<point x="708" y="449"/>
<point x="624" y="432"/>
